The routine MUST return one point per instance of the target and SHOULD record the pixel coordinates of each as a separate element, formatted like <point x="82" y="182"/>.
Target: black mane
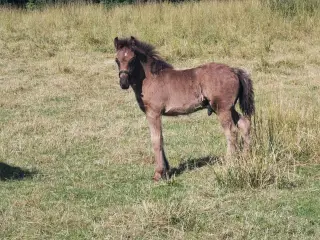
<point x="146" y="49"/>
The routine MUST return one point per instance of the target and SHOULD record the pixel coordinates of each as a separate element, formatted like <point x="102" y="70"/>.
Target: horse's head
<point x="125" y="59"/>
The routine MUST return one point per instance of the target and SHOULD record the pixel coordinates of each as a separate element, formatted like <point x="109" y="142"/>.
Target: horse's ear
<point x="132" y="41"/>
<point x="115" y="41"/>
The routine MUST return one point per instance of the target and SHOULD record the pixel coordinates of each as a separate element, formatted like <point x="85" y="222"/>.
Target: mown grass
<point x="81" y="146"/>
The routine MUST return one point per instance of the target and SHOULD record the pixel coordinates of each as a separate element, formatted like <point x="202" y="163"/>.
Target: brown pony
<point x="162" y="90"/>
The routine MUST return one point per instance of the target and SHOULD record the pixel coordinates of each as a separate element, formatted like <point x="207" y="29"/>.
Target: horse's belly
<point x="183" y="108"/>
<point x="183" y="99"/>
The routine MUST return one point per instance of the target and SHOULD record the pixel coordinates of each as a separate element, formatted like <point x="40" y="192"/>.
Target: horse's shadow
<point x="8" y="172"/>
<point x="193" y="163"/>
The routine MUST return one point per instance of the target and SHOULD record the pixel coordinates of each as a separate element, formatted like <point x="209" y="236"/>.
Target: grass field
<point x="75" y="151"/>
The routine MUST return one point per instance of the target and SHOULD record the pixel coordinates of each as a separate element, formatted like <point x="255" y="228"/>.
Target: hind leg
<point x="244" y="124"/>
<point x="230" y="130"/>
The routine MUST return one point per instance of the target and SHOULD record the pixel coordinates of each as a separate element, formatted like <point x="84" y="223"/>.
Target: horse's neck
<point x="137" y="88"/>
<point x="138" y="77"/>
<point x="147" y="67"/>
<point x="141" y="73"/>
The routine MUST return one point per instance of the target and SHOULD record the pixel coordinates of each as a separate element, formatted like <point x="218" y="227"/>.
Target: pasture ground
<point x="75" y="149"/>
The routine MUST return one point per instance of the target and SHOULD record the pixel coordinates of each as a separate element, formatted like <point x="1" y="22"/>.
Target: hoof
<point x="161" y="175"/>
<point x="157" y="177"/>
<point x="210" y="110"/>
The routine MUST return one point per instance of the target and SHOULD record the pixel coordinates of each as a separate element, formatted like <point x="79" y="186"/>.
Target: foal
<point x="162" y="90"/>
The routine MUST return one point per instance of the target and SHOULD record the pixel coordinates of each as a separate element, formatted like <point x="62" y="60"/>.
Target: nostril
<point x="124" y="85"/>
<point x="123" y="80"/>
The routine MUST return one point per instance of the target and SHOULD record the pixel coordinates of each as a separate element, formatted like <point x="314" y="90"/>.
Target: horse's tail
<point x="246" y="94"/>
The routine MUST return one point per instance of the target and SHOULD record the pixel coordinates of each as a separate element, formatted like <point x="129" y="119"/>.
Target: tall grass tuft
<point x="293" y="7"/>
<point x="279" y="143"/>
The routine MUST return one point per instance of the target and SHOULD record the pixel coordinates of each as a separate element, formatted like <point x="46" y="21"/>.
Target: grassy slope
<point x="63" y="115"/>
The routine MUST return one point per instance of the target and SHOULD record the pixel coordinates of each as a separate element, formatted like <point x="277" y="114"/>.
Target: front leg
<point x="162" y="165"/>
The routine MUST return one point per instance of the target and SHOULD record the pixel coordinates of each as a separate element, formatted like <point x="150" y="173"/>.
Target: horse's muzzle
<point x="124" y="79"/>
<point x="124" y="83"/>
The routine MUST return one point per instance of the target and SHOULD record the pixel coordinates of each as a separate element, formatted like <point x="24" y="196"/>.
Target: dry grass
<point x="64" y="118"/>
